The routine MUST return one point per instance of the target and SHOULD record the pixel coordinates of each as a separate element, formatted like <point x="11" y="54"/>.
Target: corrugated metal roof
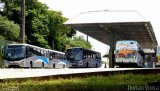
<point x="107" y="16"/>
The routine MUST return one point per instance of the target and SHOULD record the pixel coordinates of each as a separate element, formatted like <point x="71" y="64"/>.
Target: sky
<point x="149" y="9"/>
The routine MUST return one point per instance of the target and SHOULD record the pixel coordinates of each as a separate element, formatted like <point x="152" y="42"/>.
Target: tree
<point x="44" y="27"/>
<point x="8" y="29"/>
<point x="57" y="30"/>
<point x="77" y="41"/>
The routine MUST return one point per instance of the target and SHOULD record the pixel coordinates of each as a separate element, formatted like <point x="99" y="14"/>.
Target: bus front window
<point x="74" y="54"/>
<point x="13" y="53"/>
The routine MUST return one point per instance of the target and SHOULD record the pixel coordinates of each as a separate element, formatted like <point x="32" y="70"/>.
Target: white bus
<point x="80" y="57"/>
<point x="25" y="55"/>
<point x="129" y="53"/>
<point x="58" y="59"/>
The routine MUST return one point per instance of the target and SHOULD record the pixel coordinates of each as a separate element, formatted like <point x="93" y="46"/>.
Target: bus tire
<point x="31" y="64"/>
<point x="54" y="65"/>
<point x="42" y="65"/>
<point x="63" y="66"/>
<point x="96" y="65"/>
<point x="87" y="65"/>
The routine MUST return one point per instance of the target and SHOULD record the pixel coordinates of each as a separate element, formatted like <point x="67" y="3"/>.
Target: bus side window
<point x="60" y="57"/>
<point x="84" y="55"/>
<point x="56" y="56"/>
<point x="51" y="57"/>
<point x="94" y="56"/>
<point x="46" y="54"/>
<point x="64" y="56"/>
<point x="29" y="54"/>
<point x="52" y="54"/>
<point x="88" y="56"/>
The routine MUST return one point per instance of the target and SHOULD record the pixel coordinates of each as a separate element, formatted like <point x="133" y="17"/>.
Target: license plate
<point x="12" y="62"/>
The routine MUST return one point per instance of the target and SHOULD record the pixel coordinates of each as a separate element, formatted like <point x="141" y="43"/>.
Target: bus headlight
<point x="21" y="64"/>
<point x="6" y="63"/>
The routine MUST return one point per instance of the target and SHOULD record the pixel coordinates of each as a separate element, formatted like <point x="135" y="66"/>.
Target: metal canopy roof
<point x="126" y="25"/>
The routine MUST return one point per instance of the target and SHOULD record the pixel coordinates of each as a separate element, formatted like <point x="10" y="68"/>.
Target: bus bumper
<point x="14" y="64"/>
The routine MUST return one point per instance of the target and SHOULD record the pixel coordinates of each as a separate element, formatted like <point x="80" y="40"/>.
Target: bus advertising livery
<point x="128" y="53"/>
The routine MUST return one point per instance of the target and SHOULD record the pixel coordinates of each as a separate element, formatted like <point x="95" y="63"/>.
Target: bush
<point x="3" y="43"/>
<point x="114" y="82"/>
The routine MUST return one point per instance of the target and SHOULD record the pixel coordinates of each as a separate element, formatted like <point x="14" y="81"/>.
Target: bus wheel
<point x="54" y="65"/>
<point x="87" y="65"/>
<point x="42" y="65"/>
<point x="31" y="64"/>
<point x="96" y="65"/>
<point x="63" y="66"/>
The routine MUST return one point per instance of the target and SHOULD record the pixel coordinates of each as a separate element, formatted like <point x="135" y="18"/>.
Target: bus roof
<point x="84" y="49"/>
<point x="38" y="48"/>
<point x="28" y="45"/>
<point x="55" y="51"/>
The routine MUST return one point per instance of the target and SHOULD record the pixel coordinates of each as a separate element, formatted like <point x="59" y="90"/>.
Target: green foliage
<point x="1" y="55"/>
<point x="37" y="24"/>
<point x="57" y="29"/>
<point x="9" y="30"/>
<point x="77" y="41"/>
<point x="71" y="33"/>
<point x="3" y="42"/>
<point x="158" y="58"/>
<point x="116" y="82"/>
<point x="80" y="42"/>
<point x="44" y="27"/>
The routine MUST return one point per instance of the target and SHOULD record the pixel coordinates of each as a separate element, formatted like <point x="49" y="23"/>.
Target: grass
<point x="94" y="83"/>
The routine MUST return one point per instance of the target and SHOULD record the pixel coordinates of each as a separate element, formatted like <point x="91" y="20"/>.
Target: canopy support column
<point x="111" y="50"/>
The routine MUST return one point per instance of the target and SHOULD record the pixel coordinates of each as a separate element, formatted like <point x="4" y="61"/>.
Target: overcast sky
<point x="147" y="8"/>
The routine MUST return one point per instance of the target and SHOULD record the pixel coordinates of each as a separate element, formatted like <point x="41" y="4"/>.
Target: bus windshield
<point x="13" y="53"/>
<point x="74" y="54"/>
